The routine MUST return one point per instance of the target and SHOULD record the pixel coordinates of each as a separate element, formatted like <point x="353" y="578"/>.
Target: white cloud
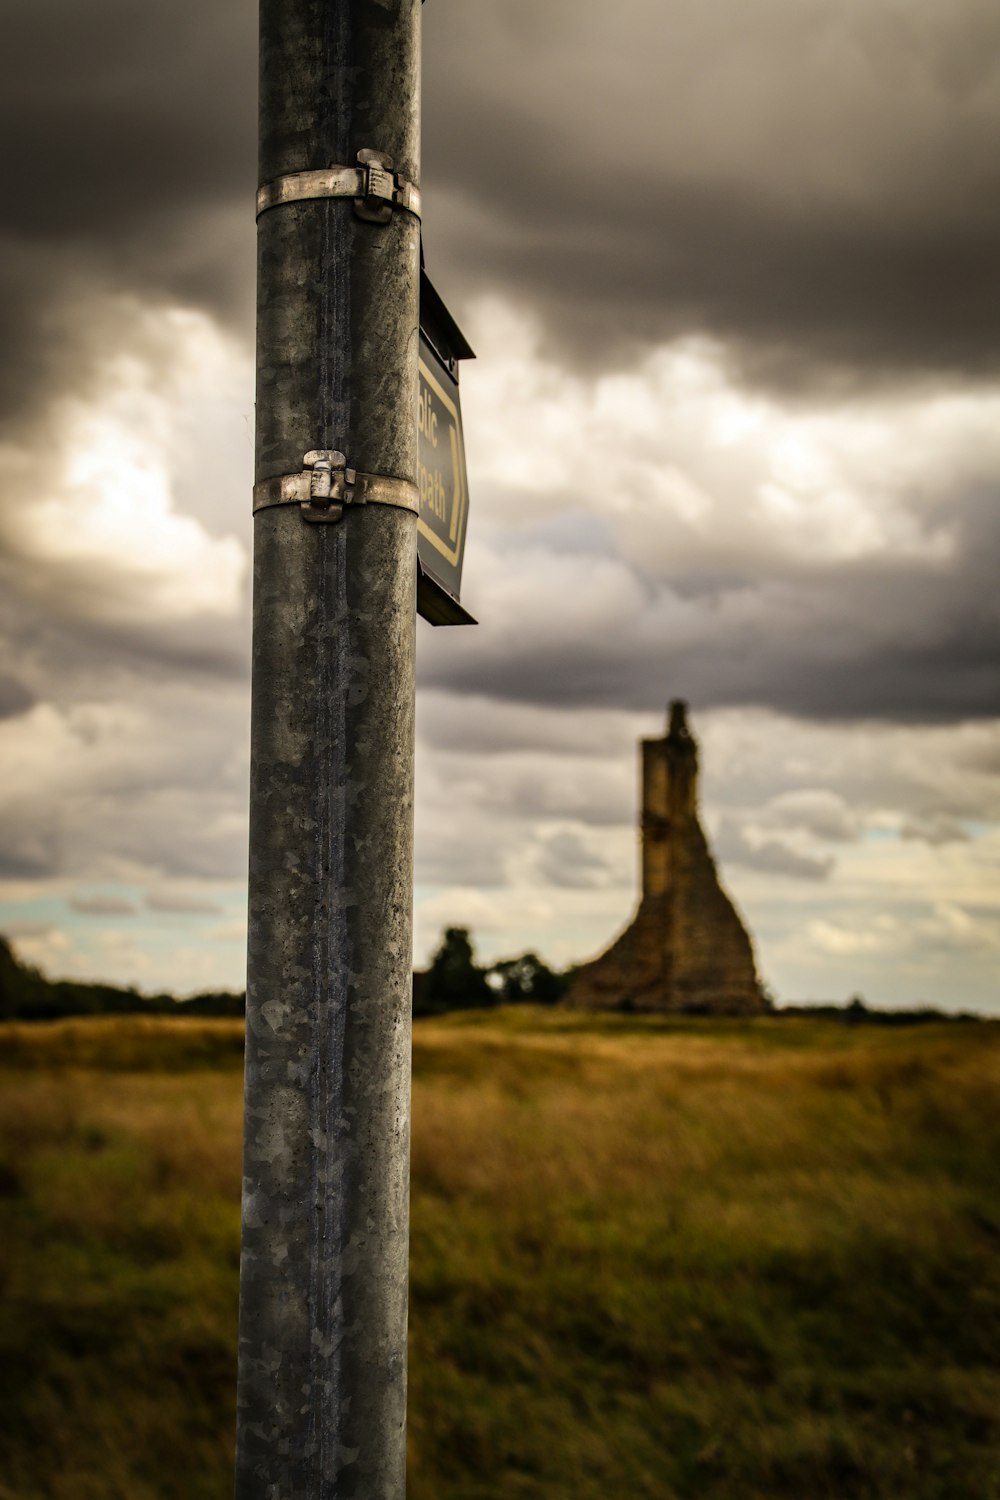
<point x="687" y="466"/>
<point x="231" y="932"/>
<point x="92" y="506"/>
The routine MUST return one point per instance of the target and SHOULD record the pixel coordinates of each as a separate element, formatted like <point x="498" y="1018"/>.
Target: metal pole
<point x="323" y="1287"/>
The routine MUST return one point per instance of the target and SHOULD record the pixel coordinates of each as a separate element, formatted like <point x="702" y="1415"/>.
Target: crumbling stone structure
<point x="686" y="949"/>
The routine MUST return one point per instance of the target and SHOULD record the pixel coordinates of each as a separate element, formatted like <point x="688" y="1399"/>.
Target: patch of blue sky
<point x="36" y="911"/>
<point x="977" y="829"/>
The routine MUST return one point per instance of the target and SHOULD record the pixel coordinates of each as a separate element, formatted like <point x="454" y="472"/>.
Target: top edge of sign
<point x="438" y="325"/>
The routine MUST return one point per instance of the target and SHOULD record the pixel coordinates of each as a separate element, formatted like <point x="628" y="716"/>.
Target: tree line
<point x="453" y="981"/>
<point x="27" y="995"/>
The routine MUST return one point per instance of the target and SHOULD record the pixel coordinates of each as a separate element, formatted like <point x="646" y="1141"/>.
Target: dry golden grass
<point x="741" y="1261"/>
<point x="119" y="1188"/>
<point x="660" y="1261"/>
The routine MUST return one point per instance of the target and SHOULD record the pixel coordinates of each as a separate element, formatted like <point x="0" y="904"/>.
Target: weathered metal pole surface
<point x="322" y="1377"/>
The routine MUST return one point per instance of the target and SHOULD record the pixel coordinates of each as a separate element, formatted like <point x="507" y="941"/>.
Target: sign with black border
<point x="441" y="477"/>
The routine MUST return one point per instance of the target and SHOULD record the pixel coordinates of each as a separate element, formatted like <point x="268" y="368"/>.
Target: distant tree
<point x="454" y="981"/>
<point x="527" y="978"/>
<point x="856" y="1010"/>
<point x="22" y="988"/>
<point x="10" y="979"/>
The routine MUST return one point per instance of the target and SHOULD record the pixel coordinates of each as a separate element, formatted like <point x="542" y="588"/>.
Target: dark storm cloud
<point x="906" y="642"/>
<point x="770" y="856"/>
<point x="800" y="651"/>
<point x="64" y="652"/>
<point x="129" y="142"/>
<point x="816" y="184"/>
<point x="936" y="829"/>
<point x="833" y="303"/>
<point x="564" y="861"/>
<point x="26" y="851"/>
<point x="15" y="698"/>
<point x="124" y="112"/>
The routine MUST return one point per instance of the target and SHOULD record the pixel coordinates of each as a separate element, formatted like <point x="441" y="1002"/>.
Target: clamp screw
<point x="321" y="480"/>
<point x="379" y="187"/>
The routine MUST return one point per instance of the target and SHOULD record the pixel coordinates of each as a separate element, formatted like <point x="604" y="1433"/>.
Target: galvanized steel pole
<point x="323" y="1289"/>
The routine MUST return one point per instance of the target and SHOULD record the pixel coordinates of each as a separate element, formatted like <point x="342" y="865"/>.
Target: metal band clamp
<point x="374" y="186"/>
<point x="326" y="485"/>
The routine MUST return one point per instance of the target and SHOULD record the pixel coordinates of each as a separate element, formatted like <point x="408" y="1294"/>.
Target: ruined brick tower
<point x="686" y="948"/>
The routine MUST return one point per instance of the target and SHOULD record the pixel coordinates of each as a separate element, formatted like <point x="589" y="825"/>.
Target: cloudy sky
<point x="732" y="272"/>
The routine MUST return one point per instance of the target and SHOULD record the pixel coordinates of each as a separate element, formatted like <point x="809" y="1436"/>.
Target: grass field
<point x="650" y="1259"/>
